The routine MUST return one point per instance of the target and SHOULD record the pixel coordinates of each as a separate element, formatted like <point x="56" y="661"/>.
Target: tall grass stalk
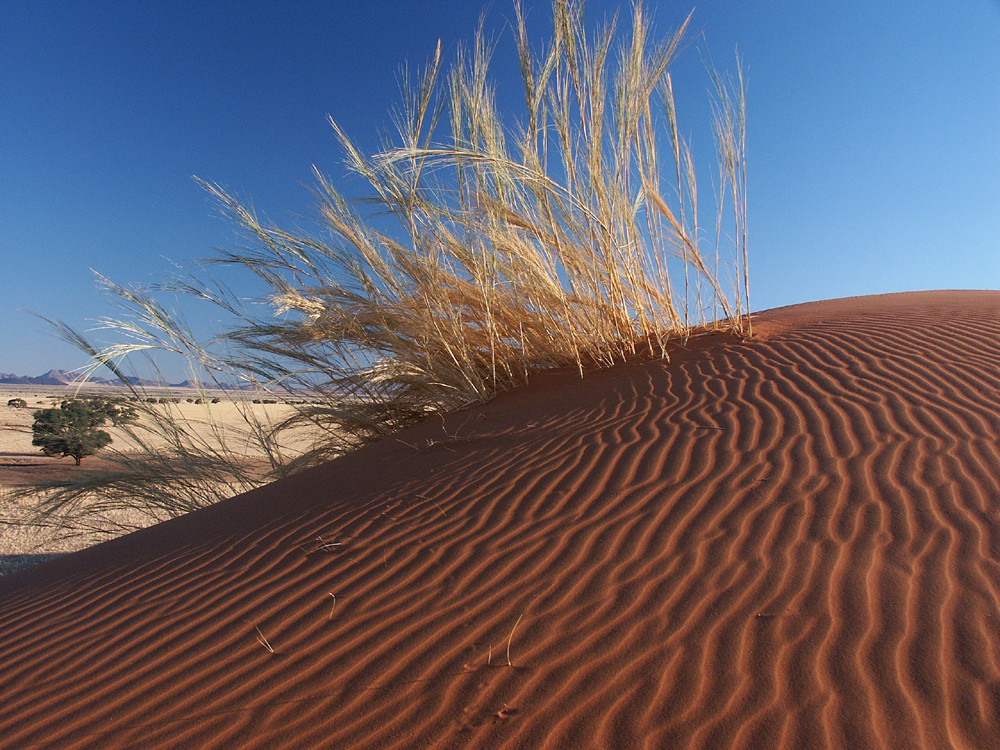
<point x="567" y="235"/>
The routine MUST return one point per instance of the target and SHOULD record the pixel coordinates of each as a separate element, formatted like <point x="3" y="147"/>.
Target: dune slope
<point x="792" y="541"/>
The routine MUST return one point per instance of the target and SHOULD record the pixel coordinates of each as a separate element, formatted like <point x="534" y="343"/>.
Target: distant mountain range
<point x="65" y="377"/>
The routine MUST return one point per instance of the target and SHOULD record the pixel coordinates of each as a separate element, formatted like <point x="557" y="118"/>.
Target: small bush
<point x="17" y="403"/>
<point x="72" y="429"/>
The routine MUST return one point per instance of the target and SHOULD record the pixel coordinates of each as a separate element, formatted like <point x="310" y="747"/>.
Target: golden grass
<point x="511" y="253"/>
<point x="567" y="235"/>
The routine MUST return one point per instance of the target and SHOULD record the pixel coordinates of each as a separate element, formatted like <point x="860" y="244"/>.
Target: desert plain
<point x="22" y="464"/>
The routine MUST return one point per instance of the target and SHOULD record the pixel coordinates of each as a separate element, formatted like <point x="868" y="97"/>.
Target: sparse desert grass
<point x="567" y="235"/>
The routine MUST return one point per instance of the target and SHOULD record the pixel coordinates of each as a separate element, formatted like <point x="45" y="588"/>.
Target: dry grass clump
<point x="516" y="247"/>
<point x="491" y="247"/>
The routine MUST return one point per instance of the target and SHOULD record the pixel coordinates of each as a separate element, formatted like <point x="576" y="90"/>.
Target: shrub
<point x="118" y="411"/>
<point x="17" y="403"/>
<point x="71" y="430"/>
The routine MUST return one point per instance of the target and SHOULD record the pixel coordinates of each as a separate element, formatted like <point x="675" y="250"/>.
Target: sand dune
<point x="789" y="542"/>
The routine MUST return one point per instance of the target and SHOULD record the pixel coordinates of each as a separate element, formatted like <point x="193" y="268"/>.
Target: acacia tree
<point x="73" y="429"/>
<point x="117" y="411"/>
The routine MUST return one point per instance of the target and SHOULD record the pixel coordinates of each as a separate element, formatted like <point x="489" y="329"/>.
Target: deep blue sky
<point x="874" y="134"/>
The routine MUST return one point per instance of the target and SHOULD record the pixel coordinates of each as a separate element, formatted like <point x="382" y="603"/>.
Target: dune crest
<point x="788" y="542"/>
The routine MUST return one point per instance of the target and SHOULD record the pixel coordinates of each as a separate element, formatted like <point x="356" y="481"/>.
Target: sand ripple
<point x="791" y="542"/>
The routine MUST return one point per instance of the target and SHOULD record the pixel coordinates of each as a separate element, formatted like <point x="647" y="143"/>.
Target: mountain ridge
<point x="68" y="377"/>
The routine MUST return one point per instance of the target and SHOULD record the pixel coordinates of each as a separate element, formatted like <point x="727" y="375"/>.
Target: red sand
<point x="787" y="542"/>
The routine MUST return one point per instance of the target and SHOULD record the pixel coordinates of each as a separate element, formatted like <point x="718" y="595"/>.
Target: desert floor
<point x="22" y="464"/>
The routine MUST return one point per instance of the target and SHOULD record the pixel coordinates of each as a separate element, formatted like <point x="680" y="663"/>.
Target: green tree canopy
<point x="74" y="428"/>
<point x="115" y="410"/>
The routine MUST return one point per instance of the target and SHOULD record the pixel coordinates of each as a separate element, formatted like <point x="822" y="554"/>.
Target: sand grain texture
<point x="791" y="542"/>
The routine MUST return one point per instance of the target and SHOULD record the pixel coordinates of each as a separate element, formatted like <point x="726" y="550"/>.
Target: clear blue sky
<point x="874" y="134"/>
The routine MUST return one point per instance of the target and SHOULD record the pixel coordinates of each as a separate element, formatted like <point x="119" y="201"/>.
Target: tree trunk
<point x="78" y="459"/>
